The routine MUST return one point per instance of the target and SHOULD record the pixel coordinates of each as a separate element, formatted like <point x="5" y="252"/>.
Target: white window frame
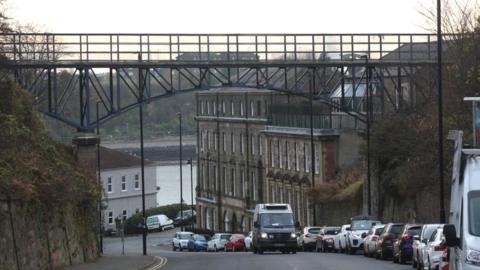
<point x="279" y="154"/>
<point x="252" y="108"/>
<point x="254" y="183"/>
<point x="232" y="108"/>
<point x="306" y="154"/>
<point x="242" y="108"/>
<point x="110" y="217"/>
<point x="123" y="183"/>
<point x="136" y="183"/>
<point x="289" y="160"/>
<point x="215" y="140"/>
<point x="252" y="142"/>
<point x="109" y="185"/>
<point x="232" y="142"/>
<point x="223" y="107"/>
<point x="202" y="107"/>
<point x="260" y="145"/>
<point x="224" y="135"/>
<point x="208" y="107"/>
<point x="317" y="158"/>
<point x="234" y="186"/>
<point x="297" y="157"/>
<point x="225" y="186"/>
<point x="272" y="154"/>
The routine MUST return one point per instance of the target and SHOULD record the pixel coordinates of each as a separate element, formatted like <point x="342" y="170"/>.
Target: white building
<point x="122" y="185"/>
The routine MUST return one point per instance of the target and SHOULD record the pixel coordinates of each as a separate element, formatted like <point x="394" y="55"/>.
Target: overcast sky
<point x="223" y="16"/>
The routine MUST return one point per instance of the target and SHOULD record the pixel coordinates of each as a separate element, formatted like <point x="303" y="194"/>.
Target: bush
<point x="133" y="225"/>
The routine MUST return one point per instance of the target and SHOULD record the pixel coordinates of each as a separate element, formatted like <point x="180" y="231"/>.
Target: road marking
<point x="162" y="261"/>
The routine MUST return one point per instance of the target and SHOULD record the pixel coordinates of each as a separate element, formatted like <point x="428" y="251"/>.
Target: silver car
<point x="370" y="242"/>
<point x="180" y="240"/>
<point x="218" y="241"/>
<point x="420" y="243"/>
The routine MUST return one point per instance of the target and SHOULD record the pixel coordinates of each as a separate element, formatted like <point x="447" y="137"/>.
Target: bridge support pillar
<point x="85" y="149"/>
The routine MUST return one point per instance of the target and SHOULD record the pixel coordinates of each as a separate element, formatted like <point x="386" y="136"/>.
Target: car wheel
<point x="294" y="251"/>
<point x="254" y="250"/>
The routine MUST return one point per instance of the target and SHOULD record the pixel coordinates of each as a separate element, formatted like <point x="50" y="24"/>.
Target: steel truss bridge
<point x="70" y="73"/>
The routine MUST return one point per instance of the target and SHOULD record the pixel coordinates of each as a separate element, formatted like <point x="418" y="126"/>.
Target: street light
<point x="100" y="225"/>
<point x="368" y="105"/>
<point x="181" y="164"/>
<point x="190" y="162"/>
<point x="140" y="111"/>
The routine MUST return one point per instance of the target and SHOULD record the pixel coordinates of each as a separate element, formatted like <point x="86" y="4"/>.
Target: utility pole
<point x="100" y="225"/>
<point x="368" y="107"/>
<point x="141" y="88"/>
<point x="190" y="161"/>
<point x="181" y="178"/>
<point x="312" y="148"/>
<point x="440" y="111"/>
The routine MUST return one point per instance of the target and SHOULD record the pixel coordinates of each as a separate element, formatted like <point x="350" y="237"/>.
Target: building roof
<point x="416" y="51"/>
<point x="114" y="159"/>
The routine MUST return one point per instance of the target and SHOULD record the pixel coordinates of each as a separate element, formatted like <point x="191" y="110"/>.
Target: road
<point x="159" y="244"/>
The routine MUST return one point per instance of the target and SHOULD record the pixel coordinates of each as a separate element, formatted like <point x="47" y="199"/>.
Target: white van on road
<point x="463" y="233"/>
<point x="159" y="222"/>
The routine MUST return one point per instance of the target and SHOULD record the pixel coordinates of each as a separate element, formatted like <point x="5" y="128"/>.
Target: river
<point x="168" y="179"/>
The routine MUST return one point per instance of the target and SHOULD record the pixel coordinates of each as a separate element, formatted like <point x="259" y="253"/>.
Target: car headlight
<point x="293" y="235"/>
<point x="473" y="257"/>
<point x="329" y="240"/>
<point x="263" y="235"/>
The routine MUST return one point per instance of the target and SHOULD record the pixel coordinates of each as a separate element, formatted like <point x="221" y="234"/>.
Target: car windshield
<point x="378" y="231"/>
<point x="362" y="224"/>
<point x="332" y="232"/>
<point x="396" y="229"/>
<point x="276" y="220"/>
<point x="151" y="220"/>
<point x="314" y="230"/>
<point x="474" y="212"/>
<point x="414" y="231"/>
<point x="199" y="238"/>
<point x="225" y="236"/>
<point x="184" y="236"/>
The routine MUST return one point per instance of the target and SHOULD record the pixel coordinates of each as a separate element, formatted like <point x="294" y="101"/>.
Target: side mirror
<point x="450" y="233"/>
<point x="256" y="225"/>
<point x="364" y="235"/>
<point x="416" y="237"/>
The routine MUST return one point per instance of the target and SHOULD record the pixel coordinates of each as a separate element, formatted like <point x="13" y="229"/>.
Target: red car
<point x="235" y="243"/>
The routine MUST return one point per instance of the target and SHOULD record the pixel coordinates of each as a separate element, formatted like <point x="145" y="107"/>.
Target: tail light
<point x="406" y="237"/>
<point x="388" y="237"/>
<point x="440" y="247"/>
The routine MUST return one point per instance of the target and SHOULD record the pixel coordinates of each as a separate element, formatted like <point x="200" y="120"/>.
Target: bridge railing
<point x="53" y="47"/>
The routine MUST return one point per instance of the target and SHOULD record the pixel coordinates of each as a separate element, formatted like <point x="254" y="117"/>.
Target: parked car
<point x="434" y="250"/>
<point x="358" y="231"/>
<point x="402" y="248"/>
<point x="159" y="222"/>
<point x="248" y="241"/>
<point x="308" y="238"/>
<point x="188" y="217"/>
<point x="198" y="242"/>
<point x="217" y="242"/>
<point x="420" y="242"/>
<point x="389" y="235"/>
<point x="340" y="242"/>
<point x="463" y="234"/>
<point x="325" y="239"/>
<point x="235" y="243"/>
<point x="180" y="240"/>
<point x="370" y="242"/>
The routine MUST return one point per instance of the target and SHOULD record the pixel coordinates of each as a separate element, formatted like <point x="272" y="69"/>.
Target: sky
<point x="223" y="16"/>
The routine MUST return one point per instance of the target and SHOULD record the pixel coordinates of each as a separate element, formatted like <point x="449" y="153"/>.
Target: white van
<point x="462" y="235"/>
<point x="159" y="222"/>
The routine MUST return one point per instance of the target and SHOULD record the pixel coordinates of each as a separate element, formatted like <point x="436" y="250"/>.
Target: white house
<point x="122" y="185"/>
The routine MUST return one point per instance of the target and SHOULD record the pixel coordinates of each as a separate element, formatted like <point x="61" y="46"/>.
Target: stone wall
<point x="34" y="238"/>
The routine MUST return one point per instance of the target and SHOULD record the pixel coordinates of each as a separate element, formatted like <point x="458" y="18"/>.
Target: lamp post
<point x="190" y="162"/>
<point x="141" y="86"/>
<point x="100" y="236"/>
<point x="368" y="107"/>
<point x="181" y="164"/>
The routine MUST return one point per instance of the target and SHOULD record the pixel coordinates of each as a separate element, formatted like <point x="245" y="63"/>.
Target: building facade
<point x="120" y="174"/>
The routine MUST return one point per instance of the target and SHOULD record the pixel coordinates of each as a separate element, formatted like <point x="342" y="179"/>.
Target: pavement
<point x="133" y="262"/>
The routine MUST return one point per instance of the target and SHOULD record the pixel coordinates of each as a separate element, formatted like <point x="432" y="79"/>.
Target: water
<point x="168" y="179"/>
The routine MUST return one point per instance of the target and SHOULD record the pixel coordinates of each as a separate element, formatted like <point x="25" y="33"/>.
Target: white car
<point x="248" y="241"/>
<point x="308" y="238"/>
<point x="159" y="222"/>
<point x="339" y="241"/>
<point x="370" y="242"/>
<point x="434" y="250"/>
<point x="358" y="231"/>
<point x="217" y="242"/>
<point x="419" y="244"/>
<point x="180" y="240"/>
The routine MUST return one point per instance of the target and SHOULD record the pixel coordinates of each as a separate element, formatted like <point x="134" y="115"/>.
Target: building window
<point x="297" y="205"/>
<point x="243" y="185"/>
<point x="289" y="161"/>
<point x="110" y="217"/>
<point x="109" y="185"/>
<point x="225" y="187"/>
<point x="124" y="215"/>
<point x="306" y="158"/>
<point x="297" y="157"/>
<point x="259" y="107"/>
<point x="202" y="108"/>
<point x="137" y="182"/>
<point x="317" y="159"/>
<point x="224" y="142"/>
<point x="224" y="108"/>
<point x="215" y="140"/>
<point x="201" y="140"/>
<point x="272" y="154"/>
<point x="232" y="108"/>
<point x="208" y="140"/>
<point x="279" y="195"/>
<point x="232" y="143"/>
<point x="279" y="154"/>
<point x="254" y="182"/>
<point x="242" y="108"/>
<point x="233" y="187"/>
<point x="242" y="144"/>
<point x="252" y="109"/>
<point x="214" y="111"/>
<point x="124" y="183"/>
<point x="260" y="145"/>
<point x="208" y="107"/>
<point x="137" y="211"/>
<point x="215" y="179"/>
<point x="272" y="193"/>
<point x="252" y="143"/>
